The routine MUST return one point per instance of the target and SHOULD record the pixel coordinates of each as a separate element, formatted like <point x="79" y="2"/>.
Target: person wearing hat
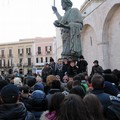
<point x="11" y="108"/>
<point x="82" y="65"/>
<point x="96" y="68"/>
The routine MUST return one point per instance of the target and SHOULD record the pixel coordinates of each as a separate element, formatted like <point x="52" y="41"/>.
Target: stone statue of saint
<point x="71" y="24"/>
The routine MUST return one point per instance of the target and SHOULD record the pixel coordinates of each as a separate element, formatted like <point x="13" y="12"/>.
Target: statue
<point x="71" y="24"/>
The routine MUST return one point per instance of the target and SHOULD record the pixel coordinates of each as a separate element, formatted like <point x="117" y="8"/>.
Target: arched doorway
<point x="111" y="38"/>
<point x="89" y="45"/>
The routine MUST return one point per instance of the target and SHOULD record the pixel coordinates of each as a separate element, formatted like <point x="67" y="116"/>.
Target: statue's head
<point x="66" y="4"/>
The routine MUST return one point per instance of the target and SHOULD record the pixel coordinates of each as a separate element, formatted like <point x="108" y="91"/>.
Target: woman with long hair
<point x="54" y="107"/>
<point x="73" y="108"/>
<point x="94" y="106"/>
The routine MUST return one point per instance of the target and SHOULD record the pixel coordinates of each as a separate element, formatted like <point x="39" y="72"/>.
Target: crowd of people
<point x="63" y="91"/>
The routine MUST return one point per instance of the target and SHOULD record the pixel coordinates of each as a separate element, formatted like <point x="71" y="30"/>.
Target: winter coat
<point x="16" y="111"/>
<point x="96" y="69"/>
<point x="48" y="116"/>
<point x="50" y="94"/>
<point x="72" y="71"/>
<point x="37" y="107"/>
<point x="46" y="72"/>
<point x="82" y="66"/>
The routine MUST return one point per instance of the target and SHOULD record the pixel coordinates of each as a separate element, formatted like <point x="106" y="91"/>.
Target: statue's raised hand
<point x="54" y="9"/>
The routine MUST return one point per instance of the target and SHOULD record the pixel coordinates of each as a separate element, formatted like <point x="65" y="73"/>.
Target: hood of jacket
<point x="15" y="111"/>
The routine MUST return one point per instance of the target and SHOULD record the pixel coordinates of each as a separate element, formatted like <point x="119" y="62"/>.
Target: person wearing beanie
<point x="82" y="65"/>
<point x="11" y="108"/>
<point x="39" y="86"/>
<point x="37" y="103"/>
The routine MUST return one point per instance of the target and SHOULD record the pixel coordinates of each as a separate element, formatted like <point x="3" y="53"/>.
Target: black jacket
<point x="82" y="66"/>
<point x="72" y="71"/>
<point x="15" y="111"/>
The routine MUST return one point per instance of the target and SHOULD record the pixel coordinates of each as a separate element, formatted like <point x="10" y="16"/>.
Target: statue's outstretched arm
<point x="56" y="12"/>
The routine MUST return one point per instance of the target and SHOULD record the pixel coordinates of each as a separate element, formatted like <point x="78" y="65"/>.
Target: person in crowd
<point x="55" y="87"/>
<point x="24" y="96"/>
<point x="52" y="65"/>
<point x="78" y="90"/>
<point x="96" y="68"/>
<point x="73" y="108"/>
<point x="11" y="108"/>
<point x="65" y="79"/>
<point x="69" y="85"/>
<point x="49" y="80"/>
<point x="37" y="103"/>
<point x="18" y="82"/>
<point x="82" y="65"/>
<point x="72" y="69"/>
<point x="59" y="68"/>
<point x="47" y="70"/>
<point x="39" y="86"/>
<point x="30" y="81"/>
<point x="110" y="77"/>
<point x="94" y="106"/>
<point x="98" y="90"/>
<point x="54" y="107"/>
<point x="65" y="66"/>
<point x="110" y="88"/>
<point x="82" y="82"/>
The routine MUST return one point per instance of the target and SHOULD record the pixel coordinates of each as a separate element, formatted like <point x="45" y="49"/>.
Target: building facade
<point x="25" y="54"/>
<point x="16" y="55"/>
<point x="44" y="49"/>
<point x="100" y="34"/>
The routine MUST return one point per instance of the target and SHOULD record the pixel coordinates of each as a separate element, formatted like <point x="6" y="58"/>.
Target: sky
<point x="20" y="19"/>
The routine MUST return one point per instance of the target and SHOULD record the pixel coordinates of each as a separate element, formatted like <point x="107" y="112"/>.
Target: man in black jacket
<point x="82" y="65"/>
<point x="11" y="108"/>
<point x="96" y="68"/>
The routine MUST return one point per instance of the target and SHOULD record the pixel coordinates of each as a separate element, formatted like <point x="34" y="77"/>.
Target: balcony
<point x="10" y="55"/>
<point x="20" y="55"/>
<point x="29" y="54"/>
<point x="2" y="56"/>
<point x="39" y="53"/>
<point x="48" y="52"/>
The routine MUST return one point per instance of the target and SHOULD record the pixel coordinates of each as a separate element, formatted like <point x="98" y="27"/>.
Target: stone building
<point x="17" y="55"/>
<point x="26" y="54"/>
<point x="100" y="35"/>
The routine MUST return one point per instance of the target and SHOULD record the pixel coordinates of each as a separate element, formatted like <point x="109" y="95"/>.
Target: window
<point x="8" y="63"/>
<point x="0" y="63"/>
<point x="29" y="61"/>
<point x="10" y="52"/>
<point x="41" y="59"/>
<point x="28" y="51"/>
<point x="37" y="60"/>
<point x="20" y="51"/>
<point x="46" y="59"/>
<point x="39" y="50"/>
<point x="4" y="62"/>
<point x="2" y="53"/>
<point x="48" y="49"/>
<point x="20" y="61"/>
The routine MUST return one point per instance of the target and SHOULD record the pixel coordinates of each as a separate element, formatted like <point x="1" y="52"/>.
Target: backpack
<point x="115" y="107"/>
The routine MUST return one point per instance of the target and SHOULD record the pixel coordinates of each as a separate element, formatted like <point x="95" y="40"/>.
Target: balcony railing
<point x="20" y="55"/>
<point x="29" y="54"/>
<point x="10" y="55"/>
<point x="2" y="56"/>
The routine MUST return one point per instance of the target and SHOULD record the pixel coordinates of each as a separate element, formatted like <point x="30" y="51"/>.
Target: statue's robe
<point x="71" y="37"/>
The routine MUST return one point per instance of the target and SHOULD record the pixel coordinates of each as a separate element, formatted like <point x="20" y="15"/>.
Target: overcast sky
<point x="21" y="19"/>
